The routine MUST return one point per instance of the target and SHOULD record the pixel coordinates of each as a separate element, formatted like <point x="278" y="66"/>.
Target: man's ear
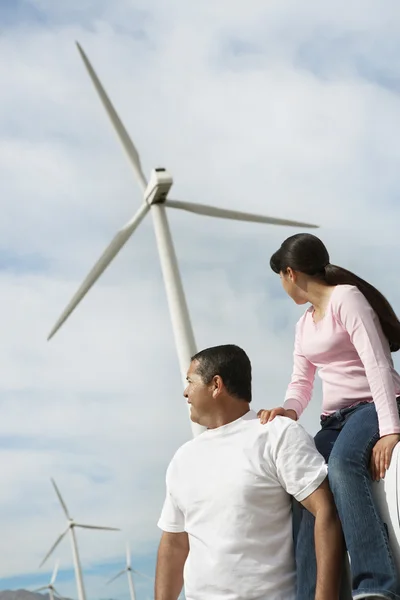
<point x="217" y="385"/>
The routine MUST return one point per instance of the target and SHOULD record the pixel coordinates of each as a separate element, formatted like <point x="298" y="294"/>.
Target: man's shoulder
<point x="282" y="432"/>
<point x="282" y="425"/>
<point x="253" y="427"/>
<point x="277" y="427"/>
<point x="280" y="441"/>
<point x="272" y="436"/>
<point x="184" y="450"/>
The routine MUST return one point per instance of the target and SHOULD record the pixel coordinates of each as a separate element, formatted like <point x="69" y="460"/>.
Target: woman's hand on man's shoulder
<point x="266" y="415"/>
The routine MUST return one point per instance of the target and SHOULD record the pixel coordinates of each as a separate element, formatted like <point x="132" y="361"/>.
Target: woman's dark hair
<point x="306" y="253"/>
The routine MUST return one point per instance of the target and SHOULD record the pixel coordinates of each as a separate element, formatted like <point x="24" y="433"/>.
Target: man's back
<point x="229" y="489"/>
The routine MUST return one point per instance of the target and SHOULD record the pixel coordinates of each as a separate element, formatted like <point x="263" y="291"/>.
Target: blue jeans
<point x="346" y="440"/>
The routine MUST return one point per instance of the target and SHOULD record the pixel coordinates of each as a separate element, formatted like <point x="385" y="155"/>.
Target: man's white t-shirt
<point x="230" y="489"/>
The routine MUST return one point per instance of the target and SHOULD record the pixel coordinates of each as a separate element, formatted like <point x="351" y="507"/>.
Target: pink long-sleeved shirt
<point x="352" y="354"/>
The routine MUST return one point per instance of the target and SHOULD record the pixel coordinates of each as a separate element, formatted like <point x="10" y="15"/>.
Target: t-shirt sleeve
<point x="362" y="324"/>
<point x="300" y="388"/>
<point x="172" y="519"/>
<point x="299" y="466"/>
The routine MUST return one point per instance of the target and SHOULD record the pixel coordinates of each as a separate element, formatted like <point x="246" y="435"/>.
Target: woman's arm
<point x="300" y="388"/>
<point x="362" y="324"/>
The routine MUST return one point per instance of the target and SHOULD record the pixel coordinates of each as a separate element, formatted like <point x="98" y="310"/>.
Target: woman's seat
<point x="387" y="497"/>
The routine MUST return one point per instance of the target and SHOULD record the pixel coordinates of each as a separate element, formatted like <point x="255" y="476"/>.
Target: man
<point x="226" y="520"/>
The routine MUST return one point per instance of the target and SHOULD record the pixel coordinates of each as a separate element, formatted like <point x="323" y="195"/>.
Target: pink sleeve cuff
<point x="293" y="404"/>
<point x="389" y="430"/>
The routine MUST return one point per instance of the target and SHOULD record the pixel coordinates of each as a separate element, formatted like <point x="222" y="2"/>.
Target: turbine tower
<point x="129" y="571"/>
<point x="75" y="554"/>
<point x="156" y="200"/>
<point x="52" y="590"/>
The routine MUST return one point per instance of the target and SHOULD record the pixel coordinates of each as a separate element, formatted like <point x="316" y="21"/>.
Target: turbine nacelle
<point x="158" y="187"/>
<point x="50" y="586"/>
<point x="156" y="193"/>
<point x="71" y="524"/>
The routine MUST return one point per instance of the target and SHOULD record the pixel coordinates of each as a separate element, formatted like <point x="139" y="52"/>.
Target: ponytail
<point x="334" y="275"/>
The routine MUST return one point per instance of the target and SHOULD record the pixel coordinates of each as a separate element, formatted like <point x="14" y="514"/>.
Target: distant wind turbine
<point x="72" y="524"/>
<point x="50" y="587"/>
<point x="128" y="570"/>
<point x="156" y="200"/>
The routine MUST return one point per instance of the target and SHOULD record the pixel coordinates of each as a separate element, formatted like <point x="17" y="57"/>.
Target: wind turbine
<point x="72" y="524"/>
<point x="50" y="586"/>
<point x="156" y="200"/>
<point x="128" y="570"/>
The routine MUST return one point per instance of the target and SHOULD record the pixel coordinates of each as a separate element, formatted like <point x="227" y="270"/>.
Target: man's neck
<point x="227" y="415"/>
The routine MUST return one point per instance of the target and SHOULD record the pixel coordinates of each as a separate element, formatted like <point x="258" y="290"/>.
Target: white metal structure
<point x="72" y="524"/>
<point x="387" y="496"/>
<point x="386" y="493"/>
<point x="50" y="587"/>
<point x="129" y="572"/>
<point x="155" y="199"/>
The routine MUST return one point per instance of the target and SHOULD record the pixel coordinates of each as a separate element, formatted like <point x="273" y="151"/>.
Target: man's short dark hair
<point x="231" y="363"/>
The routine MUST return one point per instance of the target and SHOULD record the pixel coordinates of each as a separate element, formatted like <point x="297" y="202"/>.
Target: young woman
<point x="348" y="333"/>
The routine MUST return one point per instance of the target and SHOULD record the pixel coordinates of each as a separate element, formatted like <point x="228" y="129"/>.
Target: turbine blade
<point x="236" y="215"/>
<point x="56" y="593"/>
<point x="116" y="577"/>
<point x="97" y="527"/>
<point x="53" y="578"/>
<point x="128" y="556"/>
<point x="41" y="589"/>
<point x="116" y="121"/>
<point x="64" y="506"/>
<point x="54" y="546"/>
<point x="110" y="252"/>
<point x="142" y="574"/>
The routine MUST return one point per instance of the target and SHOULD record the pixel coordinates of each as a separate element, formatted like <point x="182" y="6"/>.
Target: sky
<point x="280" y="108"/>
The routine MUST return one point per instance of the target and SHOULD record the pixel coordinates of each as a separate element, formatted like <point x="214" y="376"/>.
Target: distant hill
<point x="23" y="595"/>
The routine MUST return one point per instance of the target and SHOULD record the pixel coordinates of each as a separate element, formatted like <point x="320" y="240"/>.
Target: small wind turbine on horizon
<point x="72" y="524"/>
<point x="129" y="571"/>
<point x="50" y="586"/>
<point x="156" y="200"/>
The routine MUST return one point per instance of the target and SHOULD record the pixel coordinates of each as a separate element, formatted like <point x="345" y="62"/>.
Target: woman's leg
<point x="303" y="525"/>
<point x="372" y="565"/>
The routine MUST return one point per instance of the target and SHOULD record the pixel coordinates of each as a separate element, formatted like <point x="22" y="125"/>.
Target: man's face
<point x="199" y="395"/>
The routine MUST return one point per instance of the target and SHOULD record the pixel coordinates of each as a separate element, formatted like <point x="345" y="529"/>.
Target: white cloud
<point x="217" y="93"/>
